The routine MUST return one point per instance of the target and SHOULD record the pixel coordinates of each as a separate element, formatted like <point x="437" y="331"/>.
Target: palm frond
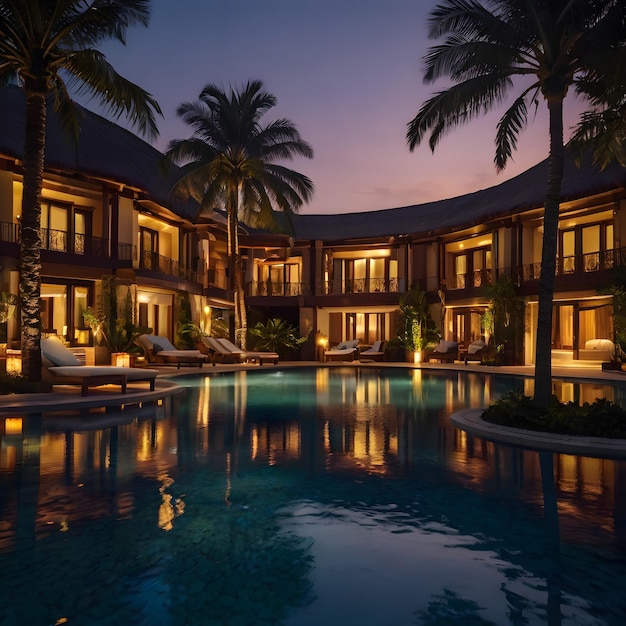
<point x="96" y="77"/>
<point x="509" y="127"/>
<point x="456" y="106"/>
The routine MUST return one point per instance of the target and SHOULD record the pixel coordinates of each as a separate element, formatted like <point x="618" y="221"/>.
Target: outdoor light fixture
<point x="122" y="359"/>
<point x="13" y="426"/>
<point x="14" y="361"/>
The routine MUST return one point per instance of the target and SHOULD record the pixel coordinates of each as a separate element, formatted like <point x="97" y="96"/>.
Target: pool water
<point x="302" y="497"/>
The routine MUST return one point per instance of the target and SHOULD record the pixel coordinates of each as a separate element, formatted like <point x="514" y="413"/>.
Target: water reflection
<point x="206" y="467"/>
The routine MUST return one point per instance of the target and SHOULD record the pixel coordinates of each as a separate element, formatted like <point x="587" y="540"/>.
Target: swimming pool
<point x="304" y="497"/>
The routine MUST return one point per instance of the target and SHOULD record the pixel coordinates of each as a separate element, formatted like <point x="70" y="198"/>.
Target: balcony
<point x="277" y="289"/>
<point x="62" y="241"/>
<point x="359" y="285"/>
<point x="477" y="278"/>
<point x="578" y="264"/>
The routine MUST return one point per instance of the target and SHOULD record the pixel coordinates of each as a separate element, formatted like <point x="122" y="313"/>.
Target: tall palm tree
<point x="230" y="162"/>
<point x="541" y="48"/>
<point x="48" y="47"/>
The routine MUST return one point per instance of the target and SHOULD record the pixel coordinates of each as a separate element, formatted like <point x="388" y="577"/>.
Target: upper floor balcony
<point x="324" y="288"/>
<point x="95" y="249"/>
<point x="70" y="243"/>
<point x="267" y="288"/>
<point x="358" y="285"/>
<point x="577" y="264"/>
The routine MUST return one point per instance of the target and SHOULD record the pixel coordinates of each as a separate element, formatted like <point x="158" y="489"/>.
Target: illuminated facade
<point x="336" y="277"/>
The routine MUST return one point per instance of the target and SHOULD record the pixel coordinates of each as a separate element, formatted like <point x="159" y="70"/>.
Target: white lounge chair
<point x="375" y="353"/>
<point x="159" y="349"/>
<point x="61" y="367"/>
<point x="224" y="351"/>
<point x="248" y="355"/>
<point x="345" y="351"/>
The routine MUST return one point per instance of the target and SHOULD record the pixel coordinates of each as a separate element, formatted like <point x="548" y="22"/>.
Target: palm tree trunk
<point x="237" y="278"/>
<point x="543" y="358"/>
<point x="30" y="234"/>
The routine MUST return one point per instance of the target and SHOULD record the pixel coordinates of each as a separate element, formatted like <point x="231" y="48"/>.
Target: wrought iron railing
<point x="578" y="264"/>
<point x="360" y="285"/>
<point x="266" y="288"/>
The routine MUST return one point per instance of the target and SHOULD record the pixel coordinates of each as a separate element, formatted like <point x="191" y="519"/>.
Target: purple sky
<point x="348" y="73"/>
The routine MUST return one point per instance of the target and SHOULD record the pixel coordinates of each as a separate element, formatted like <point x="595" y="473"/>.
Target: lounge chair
<point x="444" y="352"/>
<point x="61" y="367"/>
<point x="160" y="350"/>
<point x="245" y="355"/>
<point x="216" y="352"/>
<point x="375" y="353"/>
<point x="474" y="351"/>
<point x="345" y="351"/>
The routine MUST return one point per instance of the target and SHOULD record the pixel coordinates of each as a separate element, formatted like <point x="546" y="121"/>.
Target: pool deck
<point x="68" y="398"/>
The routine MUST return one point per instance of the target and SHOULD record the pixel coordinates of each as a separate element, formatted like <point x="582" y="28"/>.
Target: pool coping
<point x="471" y="421"/>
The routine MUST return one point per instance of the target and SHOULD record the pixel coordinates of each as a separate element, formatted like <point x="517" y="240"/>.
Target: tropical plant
<point x="505" y="318"/>
<point x="113" y="325"/>
<point x="416" y="328"/>
<point x="276" y="335"/>
<point x="48" y="46"/>
<point x="189" y="335"/>
<point x="548" y="47"/>
<point x="231" y="162"/>
<point x="8" y="302"/>
<point x="617" y="290"/>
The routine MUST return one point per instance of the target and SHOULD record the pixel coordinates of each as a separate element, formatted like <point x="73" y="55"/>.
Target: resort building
<point x="107" y="210"/>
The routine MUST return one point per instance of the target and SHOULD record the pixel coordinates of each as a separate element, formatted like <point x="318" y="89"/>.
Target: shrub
<point x="16" y="383"/>
<point x="602" y="418"/>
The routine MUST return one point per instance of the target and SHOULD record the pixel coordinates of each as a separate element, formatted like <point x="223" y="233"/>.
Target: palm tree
<point x="48" y="47"/>
<point x="548" y="47"/>
<point x="230" y="162"/>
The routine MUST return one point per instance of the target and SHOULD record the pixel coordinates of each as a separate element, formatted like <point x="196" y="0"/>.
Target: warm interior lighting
<point x="363" y="254"/>
<point x="14" y="361"/>
<point x="122" y="359"/>
<point x="13" y="426"/>
<point x="82" y="336"/>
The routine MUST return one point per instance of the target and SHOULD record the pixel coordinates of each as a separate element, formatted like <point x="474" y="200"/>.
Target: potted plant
<point x="116" y="334"/>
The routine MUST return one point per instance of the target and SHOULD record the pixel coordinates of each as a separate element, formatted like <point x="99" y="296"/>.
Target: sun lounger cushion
<point x="375" y="349"/>
<point x="476" y="346"/>
<point x="446" y="346"/>
<point x="86" y="371"/>
<point x="346" y="345"/>
<point x="57" y="353"/>
<point x="155" y="343"/>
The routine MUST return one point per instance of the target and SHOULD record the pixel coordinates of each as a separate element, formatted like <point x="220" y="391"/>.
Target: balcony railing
<point x="477" y="278"/>
<point x="579" y="264"/>
<point x="277" y="289"/>
<point x="62" y="241"/>
<point x="360" y="285"/>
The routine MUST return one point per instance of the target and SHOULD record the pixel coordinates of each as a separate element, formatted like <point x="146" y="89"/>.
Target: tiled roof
<point x="523" y="192"/>
<point x="109" y="151"/>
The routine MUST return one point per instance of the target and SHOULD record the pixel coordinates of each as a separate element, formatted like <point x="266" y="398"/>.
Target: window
<point x="62" y="309"/>
<point x="460" y="270"/>
<point x="568" y="251"/>
<point x="149" y="246"/>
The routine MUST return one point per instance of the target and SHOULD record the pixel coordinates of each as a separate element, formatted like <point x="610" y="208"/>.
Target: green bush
<point x="16" y="383"/>
<point x="602" y="418"/>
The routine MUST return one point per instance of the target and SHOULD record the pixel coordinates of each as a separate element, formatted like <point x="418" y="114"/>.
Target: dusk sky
<point x="348" y="73"/>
